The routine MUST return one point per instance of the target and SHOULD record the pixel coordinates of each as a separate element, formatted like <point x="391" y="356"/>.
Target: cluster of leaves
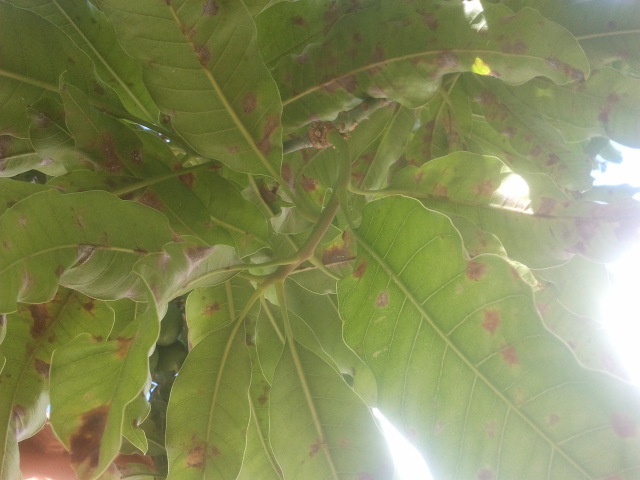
<point x="160" y="155"/>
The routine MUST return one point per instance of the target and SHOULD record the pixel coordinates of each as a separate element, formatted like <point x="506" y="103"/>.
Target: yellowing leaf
<point x="480" y="67"/>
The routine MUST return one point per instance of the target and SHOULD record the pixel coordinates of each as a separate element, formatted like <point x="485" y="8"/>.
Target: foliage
<point x="320" y="195"/>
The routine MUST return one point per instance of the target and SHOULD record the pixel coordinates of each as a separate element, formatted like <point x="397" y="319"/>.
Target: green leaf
<point x="93" y="380"/>
<point x="89" y="241"/>
<point x="88" y="28"/>
<point x="30" y="69"/>
<point x="38" y="330"/>
<point x="208" y="412"/>
<point x="607" y="104"/>
<point x="16" y="156"/>
<point x="541" y="234"/>
<point x="185" y="47"/>
<point x="462" y="359"/>
<point x="609" y="34"/>
<point x="319" y="427"/>
<point x="406" y="56"/>
<point x="538" y="146"/>
<point x="212" y="308"/>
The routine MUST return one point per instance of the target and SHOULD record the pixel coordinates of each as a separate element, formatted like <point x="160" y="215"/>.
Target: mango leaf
<point x="412" y="48"/>
<point x="210" y="48"/>
<point x="539" y="235"/>
<point x="445" y="125"/>
<point x="471" y="341"/>
<point x="89" y="29"/>
<point x="208" y="412"/>
<point x="38" y="330"/>
<point x="93" y="379"/>
<point x="607" y="104"/>
<point x="40" y="52"/>
<point x="11" y="192"/>
<point x="184" y="266"/>
<point x="16" y="156"/>
<point x="609" y="34"/>
<point x="539" y="146"/>
<point x="319" y="427"/>
<point x="212" y="308"/>
<point x="91" y="238"/>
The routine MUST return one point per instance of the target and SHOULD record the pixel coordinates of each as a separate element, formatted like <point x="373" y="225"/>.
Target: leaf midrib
<point x="449" y="344"/>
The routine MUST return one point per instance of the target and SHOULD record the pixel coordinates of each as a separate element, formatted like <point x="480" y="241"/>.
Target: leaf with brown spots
<point x="88" y="411"/>
<point x="212" y="387"/>
<point x="460" y="335"/>
<point x="306" y="396"/>
<point x="209" y="47"/>
<point x="32" y="334"/>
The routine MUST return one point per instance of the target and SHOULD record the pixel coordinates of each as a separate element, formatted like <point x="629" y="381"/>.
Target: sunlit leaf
<point x="462" y="359"/>
<point x="405" y="57"/>
<point x="319" y="427"/>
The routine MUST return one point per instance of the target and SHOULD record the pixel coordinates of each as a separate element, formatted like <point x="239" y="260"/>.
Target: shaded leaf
<point x="471" y="363"/>
<point x="31" y="68"/>
<point x="16" y="156"/>
<point x="208" y="412"/>
<point x="211" y="48"/>
<point x="92" y="381"/>
<point x="88" y="28"/>
<point x="33" y="332"/>
<point x="88" y="241"/>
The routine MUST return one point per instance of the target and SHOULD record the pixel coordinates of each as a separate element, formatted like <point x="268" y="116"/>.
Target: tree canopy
<point x="231" y="228"/>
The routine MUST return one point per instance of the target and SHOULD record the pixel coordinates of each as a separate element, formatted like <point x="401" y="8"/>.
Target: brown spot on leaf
<point x="108" y="150"/>
<point x="150" y="199"/>
<point x="40" y="317"/>
<point x="553" y="419"/>
<point x="510" y="356"/>
<point x="262" y="399"/>
<point x="136" y="157"/>
<point x="210" y="8"/>
<point x="198" y="253"/>
<point x="123" y="346"/>
<point x="298" y="20"/>
<point x="203" y="53"/>
<point x="491" y="320"/>
<point x="315" y="447"/>
<point x="484" y="188"/>
<point x="195" y="456"/>
<point x="623" y="426"/>
<point x="249" y="103"/>
<point x="270" y="126"/>
<point x="440" y="190"/>
<point x="360" y="269"/>
<point x="486" y="474"/>
<point x="211" y="308"/>
<point x="309" y="184"/>
<point x="491" y="428"/>
<point x="42" y="367"/>
<point x="85" y="442"/>
<point x="383" y="299"/>
<point x="88" y="306"/>
<point x="475" y="270"/>
<point x="187" y="179"/>
<point x="378" y="53"/>
<point x="419" y="176"/>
